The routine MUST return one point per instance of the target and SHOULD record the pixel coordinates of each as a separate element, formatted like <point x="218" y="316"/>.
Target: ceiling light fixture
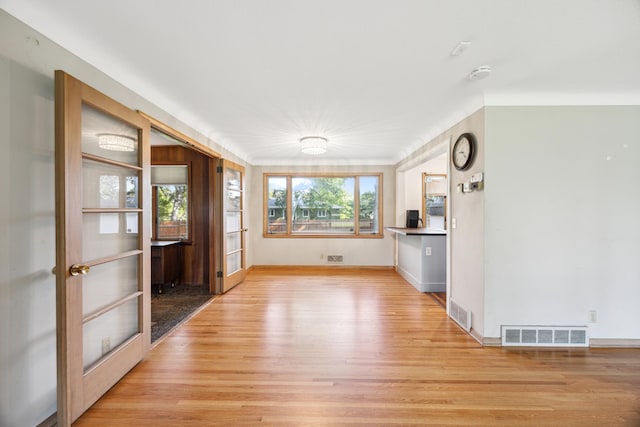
<point x="313" y="145"/>
<point x="480" y="73"/>
<point x="460" y="47"/>
<point x="114" y="142"/>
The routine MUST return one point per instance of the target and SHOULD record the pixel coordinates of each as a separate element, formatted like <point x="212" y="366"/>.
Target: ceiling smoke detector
<point x="460" y="47"/>
<point x="480" y="73"/>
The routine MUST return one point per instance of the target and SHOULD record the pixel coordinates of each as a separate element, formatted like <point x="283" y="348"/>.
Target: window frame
<point x="289" y="233"/>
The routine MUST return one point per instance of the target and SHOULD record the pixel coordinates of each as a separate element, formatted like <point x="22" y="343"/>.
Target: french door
<point x="103" y="243"/>
<point x="233" y="262"/>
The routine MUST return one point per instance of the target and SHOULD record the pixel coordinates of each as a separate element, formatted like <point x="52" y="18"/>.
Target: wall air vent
<point x="545" y="336"/>
<point x="334" y="258"/>
<point x="460" y="315"/>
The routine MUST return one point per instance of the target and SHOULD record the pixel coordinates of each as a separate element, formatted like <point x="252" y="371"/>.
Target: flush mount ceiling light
<point x="480" y="73"/>
<point x="313" y="145"/>
<point x="114" y="142"/>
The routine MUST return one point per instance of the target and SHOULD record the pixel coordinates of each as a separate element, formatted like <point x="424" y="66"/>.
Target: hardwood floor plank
<point x="358" y="347"/>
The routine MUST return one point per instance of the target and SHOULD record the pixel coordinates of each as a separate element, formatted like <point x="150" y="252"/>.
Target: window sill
<point x="322" y="236"/>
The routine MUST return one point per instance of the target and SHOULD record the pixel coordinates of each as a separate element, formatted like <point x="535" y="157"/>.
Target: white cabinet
<point x="422" y="258"/>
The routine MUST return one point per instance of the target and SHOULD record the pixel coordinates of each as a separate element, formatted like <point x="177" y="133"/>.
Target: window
<point x="170" y="185"/>
<point x="326" y="205"/>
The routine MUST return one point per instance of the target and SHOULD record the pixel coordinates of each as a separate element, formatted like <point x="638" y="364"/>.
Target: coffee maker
<point x="412" y="219"/>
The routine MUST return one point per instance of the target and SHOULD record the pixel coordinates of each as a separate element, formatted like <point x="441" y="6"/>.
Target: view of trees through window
<point x="172" y="212"/>
<point x="322" y="205"/>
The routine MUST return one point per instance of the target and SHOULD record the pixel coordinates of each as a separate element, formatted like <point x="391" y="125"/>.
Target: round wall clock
<point x="464" y="151"/>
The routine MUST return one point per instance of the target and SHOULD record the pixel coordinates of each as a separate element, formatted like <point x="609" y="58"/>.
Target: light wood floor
<point x="300" y="347"/>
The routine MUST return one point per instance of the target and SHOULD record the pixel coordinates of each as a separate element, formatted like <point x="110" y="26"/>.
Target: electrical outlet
<point x="427" y="251"/>
<point x="593" y="316"/>
<point x="106" y="345"/>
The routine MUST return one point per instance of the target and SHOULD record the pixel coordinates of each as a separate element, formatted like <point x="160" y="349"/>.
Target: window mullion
<point x="356" y="205"/>
<point x="289" y="213"/>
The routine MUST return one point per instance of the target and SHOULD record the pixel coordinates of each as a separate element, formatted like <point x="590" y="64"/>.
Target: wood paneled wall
<point x="196" y="268"/>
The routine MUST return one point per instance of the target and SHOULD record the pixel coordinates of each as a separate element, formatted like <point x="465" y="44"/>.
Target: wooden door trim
<point x="192" y="143"/>
<point x="213" y="227"/>
<point x="65" y="88"/>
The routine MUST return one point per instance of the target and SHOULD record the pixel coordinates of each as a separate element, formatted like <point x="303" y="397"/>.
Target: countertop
<point x="417" y="231"/>
<point x="160" y="243"/>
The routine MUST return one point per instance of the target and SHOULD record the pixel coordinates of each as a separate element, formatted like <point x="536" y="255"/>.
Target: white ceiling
<point x="373" y="76"/>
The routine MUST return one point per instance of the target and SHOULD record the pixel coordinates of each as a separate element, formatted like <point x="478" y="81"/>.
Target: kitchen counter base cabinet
<point x="422" y="258"/>
<point x="166" y="263"/>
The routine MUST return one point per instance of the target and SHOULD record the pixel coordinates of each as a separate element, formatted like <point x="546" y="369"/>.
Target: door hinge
<point x="218" y="273"/>
<point x="219" y="169"/>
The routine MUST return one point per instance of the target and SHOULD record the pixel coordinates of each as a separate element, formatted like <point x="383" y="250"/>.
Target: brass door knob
<point x="77" y="269"/>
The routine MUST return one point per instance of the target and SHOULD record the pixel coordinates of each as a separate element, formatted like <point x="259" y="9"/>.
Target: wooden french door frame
<point x="212" y="209"/>
<point x="79" y="386"/>
<point x="229" y="228"/>
<point x="214" y="228"/>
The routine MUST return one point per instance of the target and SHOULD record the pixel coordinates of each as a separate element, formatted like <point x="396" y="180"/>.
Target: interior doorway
<point x="435" y="192"/>
<point x="183" y="240"/>
<point x="425" y="187"/>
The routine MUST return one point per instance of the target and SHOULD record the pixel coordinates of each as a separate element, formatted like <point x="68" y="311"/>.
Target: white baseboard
<point x="475" y="335"/>
<point x="593" y="342"/>
<point x="614" y="343"/>
<point x="485" y="341"/>
<point x="52" y="421"/>
<point x="492" y="342"/>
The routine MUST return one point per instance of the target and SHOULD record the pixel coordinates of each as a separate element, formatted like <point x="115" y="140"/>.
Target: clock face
<point x="463" y="151"/>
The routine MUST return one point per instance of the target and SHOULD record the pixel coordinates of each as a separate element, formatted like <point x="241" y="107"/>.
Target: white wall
<point x="313" y="251"/>
<point x="27" y="248"/>
<point x="27" y="218"/>
<point x="467" y="238"/>
<point x="562" y="207"/>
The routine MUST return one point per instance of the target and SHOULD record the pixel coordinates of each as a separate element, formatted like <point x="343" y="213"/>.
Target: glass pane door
<point x="103" y="243"/>
<point x="110" y="241"/>
<point x="233" y="225"/>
